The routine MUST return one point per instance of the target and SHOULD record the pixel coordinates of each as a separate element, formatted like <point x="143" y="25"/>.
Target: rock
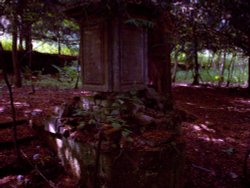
<point x="64" y="131"/>
<point x="71" y="107"/>
<point x="133" y="108"/>
<point x="20" y="180"/>
<point x="154" y="100"/>
<point x="233" y="175"/>
<point x="113" y="135"/>
<point x="143" y="119"/>
<point x="115" y="113"/>
<point x="105" y="103"/>
<point x="36" y="157"/>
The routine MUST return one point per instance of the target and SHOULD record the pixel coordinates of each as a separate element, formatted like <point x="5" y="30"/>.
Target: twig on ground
<point x="203" y="169"/>
<point x="49" y="182"/>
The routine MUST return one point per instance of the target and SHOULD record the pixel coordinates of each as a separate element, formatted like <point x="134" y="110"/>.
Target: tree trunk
<point x="78" y="73"/>
<point x="159" y="62"/>
<point x="216" y="63"/>
<point x="167" y="77"/>
<point x="59" y="45"/>
<point x="21" y="39"/>
<point x="196" y="63"/>
<point x="196" y="68"/>
<point x="16" y="63"/>
<point x="222" y="69"/>
<point x="210" y="60"/>
<point x="28" y="43"/>
<point x="230" y="69"/>
<point x="174" y="71"/>
<point x="248" y="88"/>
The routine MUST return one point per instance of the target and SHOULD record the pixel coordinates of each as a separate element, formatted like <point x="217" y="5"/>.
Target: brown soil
<point x="216" y="142"/>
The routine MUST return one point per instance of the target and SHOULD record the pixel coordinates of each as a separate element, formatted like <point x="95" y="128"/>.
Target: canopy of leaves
<point x="216" y="24"/>
<point x="45" y="17"/>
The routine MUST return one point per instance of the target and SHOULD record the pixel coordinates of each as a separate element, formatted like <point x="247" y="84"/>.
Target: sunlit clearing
<point x="247" y="102"/>
<point x="76" y="93"/>
<point x="204" y="127"/>
<point x="196" y="128"/>
<point x="21" y="104"/>
<point x="86" y="93"/>
<point x="204" y="133"/>
<point x="2" y="109"/>
<point x="182" y="84"/>
<point x="189" y="103"/>
<point x="196" y="86"/>
<point x="37" y="110"/>
<point x="201" y="127"/>
<point x="27" y="111"/>
<point x="209" y="139"/>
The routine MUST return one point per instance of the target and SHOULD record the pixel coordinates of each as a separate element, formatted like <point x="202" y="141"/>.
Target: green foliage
<point x="52" y="48"/>
<point x="211" y="73"/>
<point x="109" y="111"/>
<point x="67" y="73"/>
<point x="70" y="24"/>
<point x="48" y="81"/>
<point x="210" y="76"/>
<point x="65" y="79"/>
<point x="41" y="46"/>
<point x="6" y="43"/>
<point x="181" y="57"/>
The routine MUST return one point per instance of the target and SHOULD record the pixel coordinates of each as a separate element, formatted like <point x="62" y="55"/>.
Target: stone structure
<point x="113" y="49"/>
<point x="120" y="139"/>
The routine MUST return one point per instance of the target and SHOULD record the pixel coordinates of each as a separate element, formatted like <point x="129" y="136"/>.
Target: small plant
<point x="67" y="73"/>
<point x="108" y="113"/>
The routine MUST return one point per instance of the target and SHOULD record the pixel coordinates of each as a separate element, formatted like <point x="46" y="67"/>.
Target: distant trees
<point x="239" y="20"/>
<point x="188" y="25"/>
<point x="211" y="25"/>
<point x="35" y="19"/>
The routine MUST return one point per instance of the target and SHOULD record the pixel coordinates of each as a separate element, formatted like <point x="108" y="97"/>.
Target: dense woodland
<point x="189" y="28"/>
<point x="202" y="42"/>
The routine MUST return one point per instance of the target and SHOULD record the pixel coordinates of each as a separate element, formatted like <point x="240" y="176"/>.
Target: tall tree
<point x="15" y="60"/>
<point x="160" y="51"/>
<point x="239" y="18"/>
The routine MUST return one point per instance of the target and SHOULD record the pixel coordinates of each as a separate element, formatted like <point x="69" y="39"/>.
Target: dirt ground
<point x="216" y="142"/>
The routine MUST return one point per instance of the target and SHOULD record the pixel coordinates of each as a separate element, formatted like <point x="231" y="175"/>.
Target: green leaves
<point x="107" y="113"/>
<point x="126" y="133"/>
<point x="82" y="125"/>
<point x="66" y="73"/>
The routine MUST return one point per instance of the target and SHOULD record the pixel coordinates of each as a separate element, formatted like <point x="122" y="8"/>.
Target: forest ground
<point x="216" y="142"/>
